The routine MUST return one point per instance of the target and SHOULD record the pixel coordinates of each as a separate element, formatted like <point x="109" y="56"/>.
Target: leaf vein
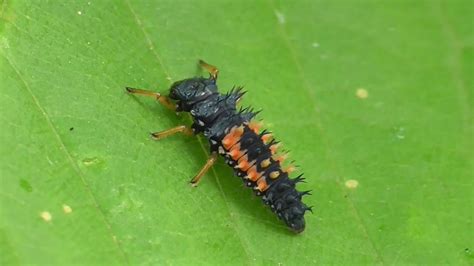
<point x="68" y="155"/>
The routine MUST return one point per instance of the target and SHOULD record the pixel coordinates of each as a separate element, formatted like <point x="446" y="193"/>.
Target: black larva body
<point x="214" y="115"/>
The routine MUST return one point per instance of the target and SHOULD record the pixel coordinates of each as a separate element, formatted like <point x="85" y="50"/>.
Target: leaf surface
<point x="374" y="100"/>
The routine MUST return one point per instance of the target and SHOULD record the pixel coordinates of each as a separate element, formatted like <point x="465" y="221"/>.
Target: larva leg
<point x="179" y="129"/>
<point x="210" y="161"/>
<point x="210" y="68"/>
<point x="165" y="101"/>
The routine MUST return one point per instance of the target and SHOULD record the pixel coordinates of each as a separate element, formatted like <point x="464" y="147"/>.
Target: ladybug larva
<point x="233" y="134"/>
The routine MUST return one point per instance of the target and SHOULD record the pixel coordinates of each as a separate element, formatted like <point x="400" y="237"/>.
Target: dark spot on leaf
<point x="71" y="129"/>
<point x="25" y="185"/>
<point x="469" y="253"/>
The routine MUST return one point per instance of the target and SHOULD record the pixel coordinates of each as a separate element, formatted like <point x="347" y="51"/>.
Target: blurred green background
<point x="373" y="98"/>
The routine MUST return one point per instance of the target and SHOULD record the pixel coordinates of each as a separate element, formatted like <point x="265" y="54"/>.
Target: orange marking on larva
<point x="255" y="126"/>
<point x="274" y="148"/>
<point x="227" y="141"/>
<point x="231" y="131"/>
<point x="265" y="163"/>
<point x="235" y="152"/>
<point x="233" y="137"/>
<point x="274" y="174"/>
<point x="253" y="174"/>
<point x="239" y="131"/>
<point x="243" y="159"/>
<point x="250" y="164"/>
<point x="262" y="184"/>
<point x="244" y="163"/>
<point x="266" y="137"/>
<point x="281" y="158"/>
<point x="289" y="169"/>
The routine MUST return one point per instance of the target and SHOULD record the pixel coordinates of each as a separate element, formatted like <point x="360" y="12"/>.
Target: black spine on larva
<point x="214" y="115"/>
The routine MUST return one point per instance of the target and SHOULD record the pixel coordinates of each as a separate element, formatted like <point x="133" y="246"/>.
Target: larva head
<point x="189" y="91"/>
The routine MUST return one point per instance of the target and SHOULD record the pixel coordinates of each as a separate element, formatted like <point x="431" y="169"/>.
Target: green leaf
<point x="374" y="99"/>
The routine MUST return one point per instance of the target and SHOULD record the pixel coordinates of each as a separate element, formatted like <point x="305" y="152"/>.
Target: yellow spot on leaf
<point x="362" y="93"/>
<point x="46" y="216"/>
<point x="67" y="209"/>
<point x="352" y="183"/>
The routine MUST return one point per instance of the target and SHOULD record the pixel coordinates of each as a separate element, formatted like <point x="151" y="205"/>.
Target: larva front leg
<point x="166" y="133"/>
<point x="163" y="100"/>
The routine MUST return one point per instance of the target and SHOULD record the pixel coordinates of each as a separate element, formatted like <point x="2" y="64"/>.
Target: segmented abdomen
<point x="254" y="157"/>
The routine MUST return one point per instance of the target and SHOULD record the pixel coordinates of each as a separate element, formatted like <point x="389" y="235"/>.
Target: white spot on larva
<point x="79" y="13"/>
<point x="213" y="141"/>
<point x="351" y="183"/>
<point x="280" y="17"/>
<point x="315" y="44"/>
<point x="221" y="150"/>
<point x="46" y="216"/>
<point x="67" y="209"/>
<point x="201" y="123"/>
<point x="362" y="93"/>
